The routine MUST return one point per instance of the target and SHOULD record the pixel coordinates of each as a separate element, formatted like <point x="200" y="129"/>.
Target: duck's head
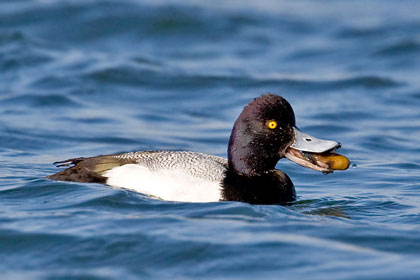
<point x="266" y="131"/>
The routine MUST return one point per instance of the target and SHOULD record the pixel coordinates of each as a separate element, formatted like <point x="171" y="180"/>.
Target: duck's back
<point x="169" y="175"/>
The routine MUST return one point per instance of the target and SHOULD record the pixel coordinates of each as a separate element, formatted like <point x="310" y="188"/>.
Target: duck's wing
<point x="95" y="169"/>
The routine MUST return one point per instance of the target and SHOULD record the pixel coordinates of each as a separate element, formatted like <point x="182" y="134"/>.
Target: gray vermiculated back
<point x="200" y="165"/>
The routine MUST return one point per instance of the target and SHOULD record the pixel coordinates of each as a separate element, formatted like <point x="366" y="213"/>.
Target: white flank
<point x="174" y="185"/>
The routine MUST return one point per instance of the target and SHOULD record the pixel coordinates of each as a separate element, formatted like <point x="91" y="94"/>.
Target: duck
<point x="264" y="132"/>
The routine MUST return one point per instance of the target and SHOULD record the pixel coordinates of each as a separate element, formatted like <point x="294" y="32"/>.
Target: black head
<point x="260" y="135"/>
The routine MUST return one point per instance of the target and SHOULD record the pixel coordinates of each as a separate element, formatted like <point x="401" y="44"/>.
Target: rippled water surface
<point x="82" y="78"/>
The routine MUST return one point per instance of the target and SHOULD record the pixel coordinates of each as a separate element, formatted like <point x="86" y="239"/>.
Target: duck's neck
<point x="269" y="188"/>
<point x="247" y="157"/>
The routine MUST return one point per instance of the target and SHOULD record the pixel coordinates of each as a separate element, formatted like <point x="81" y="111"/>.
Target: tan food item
<point x="334" y="161"/>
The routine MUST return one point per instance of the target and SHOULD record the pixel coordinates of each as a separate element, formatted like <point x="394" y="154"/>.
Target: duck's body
<point x="169" y="175"/>
<point x="177" y="176"/>
<point x="263" y="133"/>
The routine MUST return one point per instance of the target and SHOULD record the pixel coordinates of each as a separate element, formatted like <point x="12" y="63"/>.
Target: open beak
<point x="317" y="154"/>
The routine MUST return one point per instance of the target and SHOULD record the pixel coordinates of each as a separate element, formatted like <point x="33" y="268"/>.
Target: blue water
<point x="83" y="78"/>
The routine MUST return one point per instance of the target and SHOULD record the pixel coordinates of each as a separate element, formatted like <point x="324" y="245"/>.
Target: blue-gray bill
<point x="308" y="143"/>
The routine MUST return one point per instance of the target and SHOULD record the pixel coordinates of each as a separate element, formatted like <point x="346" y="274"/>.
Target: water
<point x="82" y="78"/>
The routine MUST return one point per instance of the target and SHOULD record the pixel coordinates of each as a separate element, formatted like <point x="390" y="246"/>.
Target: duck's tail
<point x="88" y="170"/>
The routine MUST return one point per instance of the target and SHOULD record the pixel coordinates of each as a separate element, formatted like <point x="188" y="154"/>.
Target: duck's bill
<point x="317" y="154"/>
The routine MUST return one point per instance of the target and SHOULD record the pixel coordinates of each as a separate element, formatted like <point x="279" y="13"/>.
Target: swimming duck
<point x="264" y="132"/>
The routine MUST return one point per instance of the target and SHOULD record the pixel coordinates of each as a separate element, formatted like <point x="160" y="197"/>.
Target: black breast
<point x="271" y="187"/>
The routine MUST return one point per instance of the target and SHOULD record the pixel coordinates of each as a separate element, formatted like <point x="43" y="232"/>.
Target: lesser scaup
<point x="264" y="132"/>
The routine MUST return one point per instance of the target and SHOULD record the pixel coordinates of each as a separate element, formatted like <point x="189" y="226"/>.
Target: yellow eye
<point x="271" y="124"/>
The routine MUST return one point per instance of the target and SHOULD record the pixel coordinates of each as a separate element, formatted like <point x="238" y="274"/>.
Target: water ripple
<point x="406" y="48"/>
